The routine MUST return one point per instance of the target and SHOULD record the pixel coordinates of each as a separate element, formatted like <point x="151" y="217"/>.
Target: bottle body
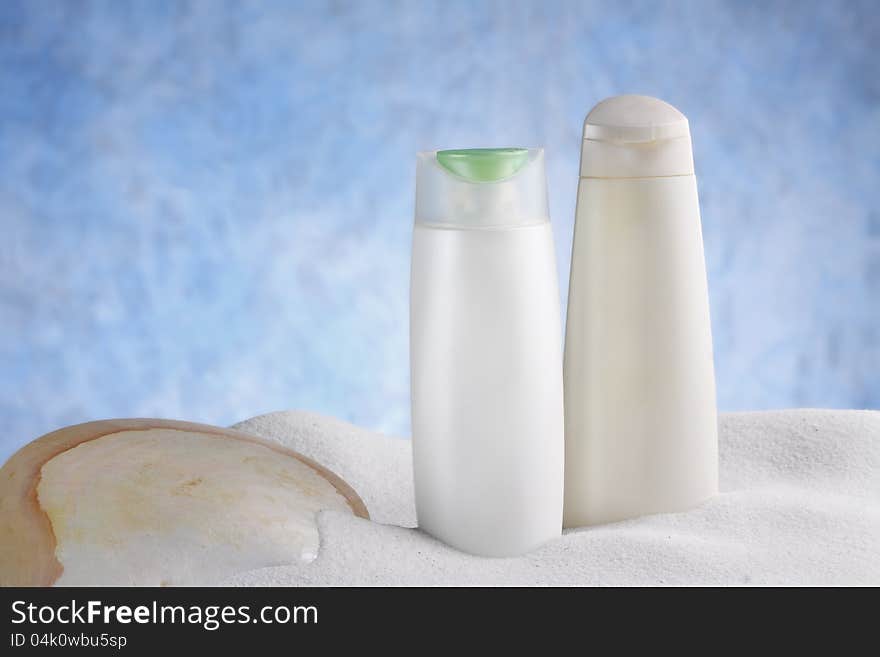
<point x="640" y="410"/>
<point x="486" y="376"/>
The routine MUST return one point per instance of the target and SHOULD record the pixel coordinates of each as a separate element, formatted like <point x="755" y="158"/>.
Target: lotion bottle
<point x="640" y="411"/>
<point x="486" y="352"/>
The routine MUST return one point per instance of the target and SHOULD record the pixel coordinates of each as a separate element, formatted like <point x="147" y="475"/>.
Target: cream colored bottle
<point x="640" y="410"/>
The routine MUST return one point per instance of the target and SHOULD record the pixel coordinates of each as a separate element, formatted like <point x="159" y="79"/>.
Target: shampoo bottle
<point x="640" y="414"/>
<point x="486" y="352"/>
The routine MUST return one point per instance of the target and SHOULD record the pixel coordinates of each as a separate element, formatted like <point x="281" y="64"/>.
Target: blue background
<point x="206" y="207"/>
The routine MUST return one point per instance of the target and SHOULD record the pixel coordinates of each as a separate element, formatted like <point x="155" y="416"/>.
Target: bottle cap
<point x="636" y="137"/>
<point x="481" y="188"/>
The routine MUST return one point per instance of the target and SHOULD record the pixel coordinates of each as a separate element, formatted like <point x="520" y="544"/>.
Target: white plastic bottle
<point x="640" y="411"/>
<point x="486" y="352"/>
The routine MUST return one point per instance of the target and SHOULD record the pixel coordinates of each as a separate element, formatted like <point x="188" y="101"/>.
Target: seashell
<point x="158" y="502"/>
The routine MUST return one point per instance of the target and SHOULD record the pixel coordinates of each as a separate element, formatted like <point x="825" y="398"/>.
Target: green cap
<point x="483" y="164"/>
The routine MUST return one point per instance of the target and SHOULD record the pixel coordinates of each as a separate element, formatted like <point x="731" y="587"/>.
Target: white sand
<point x="800" y="504"/>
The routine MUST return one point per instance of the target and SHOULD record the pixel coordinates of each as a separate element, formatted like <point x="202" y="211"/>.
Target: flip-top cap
<point x="481" y="188"/>
<point x="636" y="137"/>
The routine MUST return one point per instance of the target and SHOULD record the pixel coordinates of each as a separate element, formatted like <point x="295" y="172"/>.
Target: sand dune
<point x="799" y="504"/>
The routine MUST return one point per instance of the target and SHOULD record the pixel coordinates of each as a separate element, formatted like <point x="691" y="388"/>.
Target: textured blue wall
<point x="205" y="208"/>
